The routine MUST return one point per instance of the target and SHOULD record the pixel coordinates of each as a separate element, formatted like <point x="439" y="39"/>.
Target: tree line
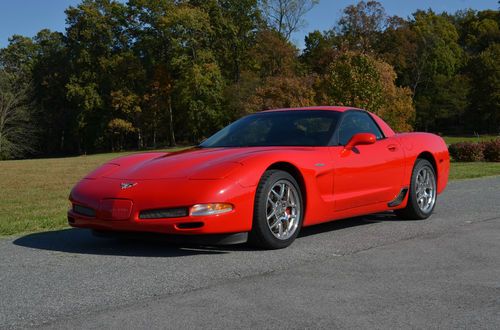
<point x="149" y="73"/>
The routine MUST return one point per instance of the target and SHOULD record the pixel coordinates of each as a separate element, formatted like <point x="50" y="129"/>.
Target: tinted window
<point x="280" y="128"/>
<point x="357" y="122"/>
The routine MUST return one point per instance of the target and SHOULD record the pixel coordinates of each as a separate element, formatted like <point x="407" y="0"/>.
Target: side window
<point x="357" y="122"/>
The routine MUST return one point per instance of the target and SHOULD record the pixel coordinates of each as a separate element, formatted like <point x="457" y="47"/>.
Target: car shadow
<point x="81" y="241"/>
<point x="347" y="223"/>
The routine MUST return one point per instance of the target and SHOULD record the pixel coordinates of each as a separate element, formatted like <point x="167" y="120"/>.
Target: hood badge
<point x="126" y="185"/>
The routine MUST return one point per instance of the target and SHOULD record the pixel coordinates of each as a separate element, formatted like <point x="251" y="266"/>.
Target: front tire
<point x="423" y="192"/>
<point x="278" y="211"/>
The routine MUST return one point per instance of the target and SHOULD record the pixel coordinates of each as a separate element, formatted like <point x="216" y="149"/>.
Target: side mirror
<point x="360" y="139"/>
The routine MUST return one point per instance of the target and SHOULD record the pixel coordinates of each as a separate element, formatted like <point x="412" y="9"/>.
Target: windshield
<point x="280" y="128"/>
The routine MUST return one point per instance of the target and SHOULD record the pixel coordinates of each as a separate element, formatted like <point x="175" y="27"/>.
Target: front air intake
<point x="164" y="213"/>
<point x="83" y="210"/>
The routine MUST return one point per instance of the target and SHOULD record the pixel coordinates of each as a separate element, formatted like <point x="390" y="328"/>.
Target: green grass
<point x="473" y="170"/>
<point x="34" y="193"/>
<point x="456" y="139"/>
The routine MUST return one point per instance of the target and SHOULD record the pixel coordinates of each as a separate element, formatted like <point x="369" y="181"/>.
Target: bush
<point x="491" y="150"/>
<point x="467" y="151"/>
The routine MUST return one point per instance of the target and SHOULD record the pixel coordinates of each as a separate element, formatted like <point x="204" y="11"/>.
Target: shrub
<point x="467" y="151"/>
<point x="491" y="150"/>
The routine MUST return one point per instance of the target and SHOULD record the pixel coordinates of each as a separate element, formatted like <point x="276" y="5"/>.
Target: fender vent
<point x="399" y="198"/>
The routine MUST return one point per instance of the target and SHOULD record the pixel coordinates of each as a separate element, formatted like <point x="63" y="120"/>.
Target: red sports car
<point x="265" y="176"/>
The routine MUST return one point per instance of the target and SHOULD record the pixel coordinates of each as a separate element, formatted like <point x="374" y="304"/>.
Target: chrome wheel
<point x="425" y="189"/>
<point x="283" y="209"/>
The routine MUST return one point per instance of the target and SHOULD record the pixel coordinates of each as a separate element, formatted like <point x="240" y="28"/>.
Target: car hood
<point x="194" y="163"/>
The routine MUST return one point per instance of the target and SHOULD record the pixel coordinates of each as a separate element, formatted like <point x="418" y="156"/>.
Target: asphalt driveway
<point x="371" y="272"/>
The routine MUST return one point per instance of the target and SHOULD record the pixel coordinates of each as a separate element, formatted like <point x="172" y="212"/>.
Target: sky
<point x="27" y="17"/>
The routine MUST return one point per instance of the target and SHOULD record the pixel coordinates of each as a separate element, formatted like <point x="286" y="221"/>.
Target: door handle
<point x="392" y="147"/>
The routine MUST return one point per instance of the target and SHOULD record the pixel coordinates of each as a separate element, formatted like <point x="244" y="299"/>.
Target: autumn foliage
<point x="147" y="73"/>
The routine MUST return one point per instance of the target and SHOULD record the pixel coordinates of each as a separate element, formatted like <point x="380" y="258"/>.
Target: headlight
<point x="210" y="209"/>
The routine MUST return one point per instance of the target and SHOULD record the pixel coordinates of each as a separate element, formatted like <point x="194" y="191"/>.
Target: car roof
<point x="330" y="108"/>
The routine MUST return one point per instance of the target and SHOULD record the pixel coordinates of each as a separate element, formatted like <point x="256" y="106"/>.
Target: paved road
<point x="374" y="272"/>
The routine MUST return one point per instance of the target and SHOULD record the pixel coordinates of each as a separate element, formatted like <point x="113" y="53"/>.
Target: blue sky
<point x="27" y="17"/>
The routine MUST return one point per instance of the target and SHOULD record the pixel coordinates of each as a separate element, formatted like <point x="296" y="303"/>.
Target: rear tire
<point x="423" y="192"/>
<point x="278" y="211"/>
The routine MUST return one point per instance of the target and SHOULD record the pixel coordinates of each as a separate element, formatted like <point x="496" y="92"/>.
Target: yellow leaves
<point x="282" y="92"/>
<point x="120" y="126"/>
<point x="125" y="102"/>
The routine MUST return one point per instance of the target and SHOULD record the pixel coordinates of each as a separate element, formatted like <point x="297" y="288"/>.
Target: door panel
<point x="368" y="174"/>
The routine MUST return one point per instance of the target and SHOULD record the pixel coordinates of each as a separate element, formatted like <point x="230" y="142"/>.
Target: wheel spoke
<point x="273" y="213"/>
<point x="274" y="223"/>
<point x="275" y="193"/>
<point x="282" y="191"/>
<point x="280" y="229"/>
<point x="286" y="225"/>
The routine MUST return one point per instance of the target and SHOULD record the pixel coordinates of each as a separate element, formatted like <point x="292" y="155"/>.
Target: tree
<point x="282" y="92"/>
<point x="19" y="57"/>
<point x="397" y="109"/>
<point x="286" y="16"/>
<point x="352" y="80"/>
<point x="484" y="110"/>
<point x="235" y="24"/>
<point x="16" y="132"/>
<point x="153" y="47"/>
<point x="359" y="80"/>
<point x="198" y="81"/>
<point x="18" y="137"/>
<point x="96" y="42"/>
<point x="273" y="55"/>
<point x="437" y="53"/>
<point x="52" y="112"/>
<point x="320" y="50"/>
<point x="398" y="47"/>
<point x="361" y="25"/>
<point x="118" y="129"/>
<point x="477" y="30"/>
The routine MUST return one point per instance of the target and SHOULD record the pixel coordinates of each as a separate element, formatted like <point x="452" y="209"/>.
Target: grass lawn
<point x="455" y="139"/>
<point x="473" y="170"/>
<point x="34" y="193"/>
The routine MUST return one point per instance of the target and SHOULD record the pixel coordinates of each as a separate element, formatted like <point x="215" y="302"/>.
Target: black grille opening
<point x="164" y="213"/>
<point x="86" y="211"/>
<point x="190" y="225"/>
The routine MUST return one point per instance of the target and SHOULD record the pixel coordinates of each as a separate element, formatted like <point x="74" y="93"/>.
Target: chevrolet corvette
<point x="265" y="176"/>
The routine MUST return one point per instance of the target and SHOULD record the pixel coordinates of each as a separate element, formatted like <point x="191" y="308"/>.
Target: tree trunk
<point x="61" y="147"/>
<point x="171" y="122"/>
<point x="139" y="138"/>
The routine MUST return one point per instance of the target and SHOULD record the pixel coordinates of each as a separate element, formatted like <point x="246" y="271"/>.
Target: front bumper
<point x="160" y="194"/>
<point x="230" y="222"/>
